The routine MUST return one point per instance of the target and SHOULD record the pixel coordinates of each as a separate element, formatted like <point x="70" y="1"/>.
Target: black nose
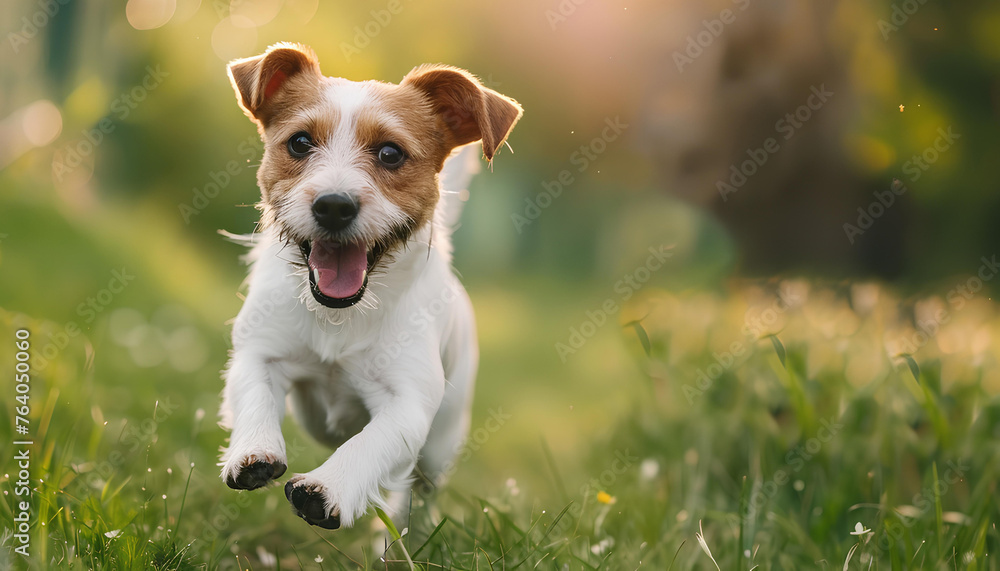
<point x="334" y="212"/>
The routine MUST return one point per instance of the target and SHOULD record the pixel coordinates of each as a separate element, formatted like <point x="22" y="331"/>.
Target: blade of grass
<point x="938" y="513"/>
<point x="640" y="332"/>
<point x="437" y="530"/>
<point x="503" y="516"/>
<point x="180" y="513"/>
<point x="489" y="520"/>
<point x="744" y="512"/>
<point x="850" y="554"/>
<point x="676" y="553"/>
<point x="779" y="349"/>
<point x="555" y="522"/>
<point x="394" y="534"/>
<point x="560" y="485"/>
<point x="490" y="563"/>
<point x="895" y="563"/>
<point x="912" y="364"/>
<point x="338" y="550"/>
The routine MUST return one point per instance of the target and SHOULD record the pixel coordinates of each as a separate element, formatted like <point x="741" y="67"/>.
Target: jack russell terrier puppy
<point x="352" y="258"/>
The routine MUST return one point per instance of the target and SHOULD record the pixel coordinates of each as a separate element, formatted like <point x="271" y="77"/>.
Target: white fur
<point x="406" y="357"/>
<point x="337" y="168"/>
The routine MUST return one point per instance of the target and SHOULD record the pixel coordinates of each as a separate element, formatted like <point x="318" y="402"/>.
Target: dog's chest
<point x="342" y="343"/>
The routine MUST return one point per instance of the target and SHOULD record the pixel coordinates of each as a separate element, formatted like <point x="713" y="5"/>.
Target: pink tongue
<point x="341" y="268"/>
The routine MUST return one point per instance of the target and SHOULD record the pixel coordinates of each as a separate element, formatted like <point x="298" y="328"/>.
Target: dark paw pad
<point x="256" y="475"/>
<point x="310" y="506"/>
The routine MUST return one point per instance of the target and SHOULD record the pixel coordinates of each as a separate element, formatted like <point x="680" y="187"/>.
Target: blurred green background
<point x="146" y="82"/>
<point x="122" y="150"/>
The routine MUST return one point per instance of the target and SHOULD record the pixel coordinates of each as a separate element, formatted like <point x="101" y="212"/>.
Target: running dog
<point x="353" y="314"/>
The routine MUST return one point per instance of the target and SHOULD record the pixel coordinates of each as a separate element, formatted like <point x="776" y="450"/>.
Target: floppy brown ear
<point x="470" y="111"/>
<point x="259" y="79"/>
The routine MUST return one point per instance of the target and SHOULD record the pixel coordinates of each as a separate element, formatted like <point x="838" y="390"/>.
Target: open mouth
<point x="338" y="271"/>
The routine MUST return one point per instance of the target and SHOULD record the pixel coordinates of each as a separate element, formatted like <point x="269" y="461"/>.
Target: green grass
<point x="813" y="422"/>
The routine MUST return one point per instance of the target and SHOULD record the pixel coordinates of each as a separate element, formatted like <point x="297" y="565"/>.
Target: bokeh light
<point x="251" y="13"/>
<point x="42" y="123"/>
<point x="233" y="37"/>
<point x="149" y="14"/>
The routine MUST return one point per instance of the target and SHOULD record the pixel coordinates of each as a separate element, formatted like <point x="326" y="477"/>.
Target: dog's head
<point x="350" y="169"/>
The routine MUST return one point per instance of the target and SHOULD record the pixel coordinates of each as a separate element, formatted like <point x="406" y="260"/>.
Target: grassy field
<point x="779" y="426"/>
<point x="700" y="421"/>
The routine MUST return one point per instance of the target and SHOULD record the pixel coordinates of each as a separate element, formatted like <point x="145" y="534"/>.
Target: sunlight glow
<point x="149" y="14"/>
<point x="233" y="37"/>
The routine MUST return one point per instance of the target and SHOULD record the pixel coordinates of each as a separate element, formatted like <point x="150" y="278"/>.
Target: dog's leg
<point x="254" y="399"/>
<point x="382" y="455"/>
<point x="445" y="442"/>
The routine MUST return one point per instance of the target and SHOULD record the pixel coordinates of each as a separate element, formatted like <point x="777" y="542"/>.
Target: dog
<point x="353" y="314"/>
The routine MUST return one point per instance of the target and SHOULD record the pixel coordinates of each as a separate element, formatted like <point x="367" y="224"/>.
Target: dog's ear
<point x="469" y="110"/>
<point x="259" y="79"/>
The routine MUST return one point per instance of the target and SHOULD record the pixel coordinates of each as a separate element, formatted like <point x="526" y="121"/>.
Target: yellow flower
<point x="606" y="498"/>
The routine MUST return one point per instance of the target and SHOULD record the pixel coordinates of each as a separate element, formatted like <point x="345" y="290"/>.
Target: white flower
<point x="860" y="529"/>
<point x="267" y="559"/>
<point x="113" y="533"/>
<point x="649" y="469"/>
<point x="602" y="547"/>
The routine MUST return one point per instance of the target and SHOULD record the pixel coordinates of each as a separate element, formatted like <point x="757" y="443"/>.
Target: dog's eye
<point x="390" y="155"/>
<point x="300" y="144"/>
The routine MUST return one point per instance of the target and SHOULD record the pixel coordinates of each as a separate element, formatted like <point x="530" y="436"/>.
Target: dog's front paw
<point x="252" y="471"/>
<point x="309" y="502"/>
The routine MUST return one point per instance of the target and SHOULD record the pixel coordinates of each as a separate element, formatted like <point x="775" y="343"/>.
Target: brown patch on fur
<point x="279" y="172"/>
<point x="272" y="89"/>
<point x="468" y="111"/>
<point x="403" y="117"/>
<point x="272" y="83"/>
